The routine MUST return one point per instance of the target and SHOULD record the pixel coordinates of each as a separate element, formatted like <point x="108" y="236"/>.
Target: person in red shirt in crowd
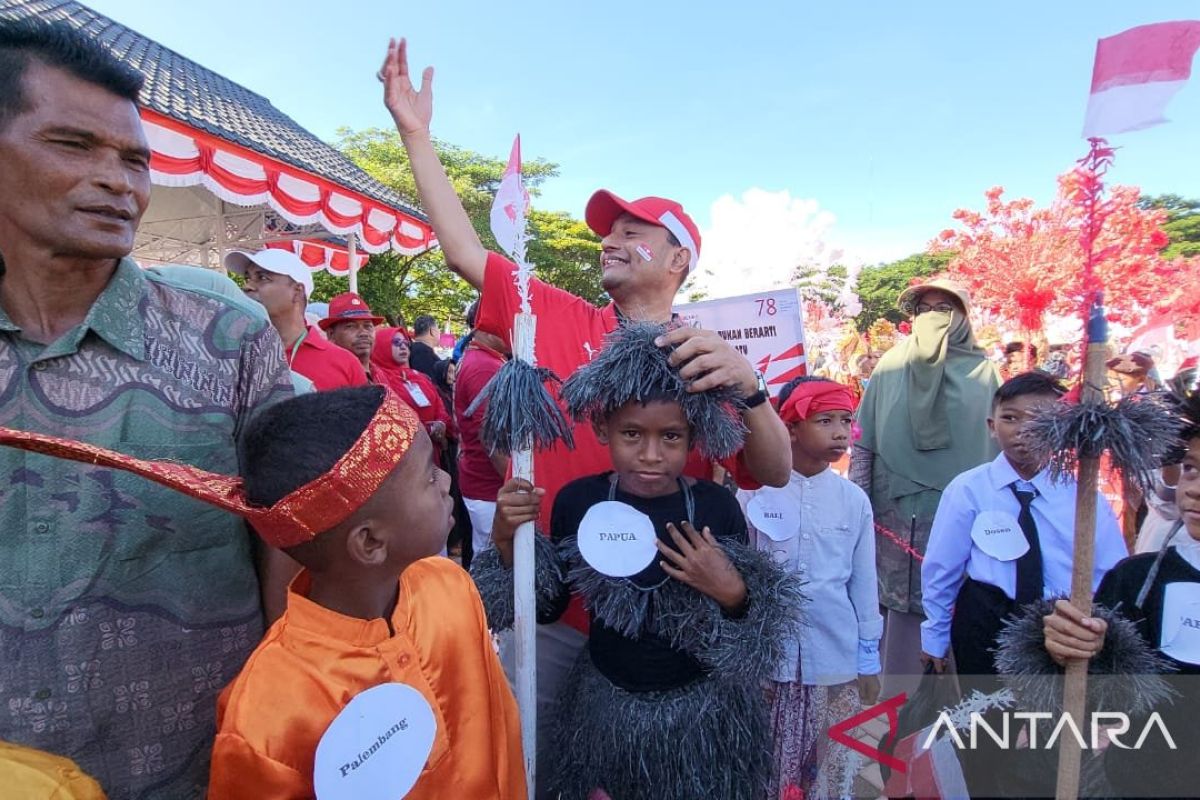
<point x="480" y="473"/>
<point x="350" y="325"/>
<point x="649" y="247"/>
<point x="390" y="367"/>
<point x="281" y="283"/>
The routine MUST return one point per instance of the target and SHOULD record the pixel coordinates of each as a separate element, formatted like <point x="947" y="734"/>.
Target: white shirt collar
<point x="1002" y="475"/>
<point x="802" y="480"/>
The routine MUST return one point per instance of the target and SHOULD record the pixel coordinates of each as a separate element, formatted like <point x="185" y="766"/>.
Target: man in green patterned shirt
<point x="124" y="607"/>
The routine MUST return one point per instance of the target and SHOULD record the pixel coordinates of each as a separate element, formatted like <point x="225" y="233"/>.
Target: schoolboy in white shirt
<point x="1002" y="537"/>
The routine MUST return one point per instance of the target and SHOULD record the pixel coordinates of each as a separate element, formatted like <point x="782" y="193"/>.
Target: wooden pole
<point x="352" y="249"/>
<point x="524" y="602"/>
<point x="1075" y="681"/>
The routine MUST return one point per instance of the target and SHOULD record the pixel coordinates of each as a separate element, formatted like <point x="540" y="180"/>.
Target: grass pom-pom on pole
<point x="521" y="413"/>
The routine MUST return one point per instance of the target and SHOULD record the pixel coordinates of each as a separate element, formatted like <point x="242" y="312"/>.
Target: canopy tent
<point x="231" y="171"/>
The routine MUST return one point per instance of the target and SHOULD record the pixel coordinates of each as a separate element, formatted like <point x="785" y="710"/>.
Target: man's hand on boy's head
<point x="708" y="360"/>
<point x="700" y="562"/>
<point x="1070" y="634"/>
<point x="518" y="502"/>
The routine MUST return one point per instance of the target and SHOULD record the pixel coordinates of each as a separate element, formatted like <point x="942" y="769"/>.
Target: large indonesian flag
<point x="1136" y="74"/>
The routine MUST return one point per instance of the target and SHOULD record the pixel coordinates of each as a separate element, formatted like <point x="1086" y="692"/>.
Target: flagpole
<point x="1083" y="560"/>
<point x="524" y="602"/>
<point x="508" y="223"/>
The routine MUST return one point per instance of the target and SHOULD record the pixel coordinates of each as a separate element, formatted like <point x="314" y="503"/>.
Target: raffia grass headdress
<point x="631" y="367"/>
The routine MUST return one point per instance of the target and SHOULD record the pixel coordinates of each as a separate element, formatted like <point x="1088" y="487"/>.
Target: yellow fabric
<point x="314" y="660"/>
<point x="38" y="775"/>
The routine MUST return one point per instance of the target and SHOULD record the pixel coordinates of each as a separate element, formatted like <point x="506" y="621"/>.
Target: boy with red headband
<point x="344" y="483"/>
<point x="820" y="528"/>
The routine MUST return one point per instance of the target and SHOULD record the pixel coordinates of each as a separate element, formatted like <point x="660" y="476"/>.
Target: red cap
<point x="348" y="307"/>
<point x="604" y="207"/>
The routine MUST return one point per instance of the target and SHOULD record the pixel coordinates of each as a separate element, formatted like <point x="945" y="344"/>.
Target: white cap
<point x="281" y="262"/>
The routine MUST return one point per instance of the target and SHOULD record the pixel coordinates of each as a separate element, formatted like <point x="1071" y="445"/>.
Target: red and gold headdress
<point x="312" y="509"/>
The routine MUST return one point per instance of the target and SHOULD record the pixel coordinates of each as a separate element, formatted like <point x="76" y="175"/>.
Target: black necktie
<point x="1029" y="566"/>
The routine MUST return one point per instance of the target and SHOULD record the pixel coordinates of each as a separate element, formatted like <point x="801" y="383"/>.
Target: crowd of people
<point x="224" y="523"/>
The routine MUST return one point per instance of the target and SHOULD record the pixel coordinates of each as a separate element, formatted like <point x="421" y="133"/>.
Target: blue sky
<point x="883" y="117"/>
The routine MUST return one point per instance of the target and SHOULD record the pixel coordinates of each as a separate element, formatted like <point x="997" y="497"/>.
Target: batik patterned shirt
<point x="126" y="607"/>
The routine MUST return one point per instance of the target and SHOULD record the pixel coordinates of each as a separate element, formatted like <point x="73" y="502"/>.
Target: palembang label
<point x="616" y="539"/>
<point x="376" y="747"/>
<point x="999" y="535"/>
<point x="774" y="512"/>
<point x="1181" y="622"/>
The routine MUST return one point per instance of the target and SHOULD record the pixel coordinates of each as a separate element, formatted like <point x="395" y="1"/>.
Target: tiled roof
<point x="183" y="90"/>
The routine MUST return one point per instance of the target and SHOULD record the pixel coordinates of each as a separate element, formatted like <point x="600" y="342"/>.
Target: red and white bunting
<point x="319" y="255"/>
<point x="184" y="156"/>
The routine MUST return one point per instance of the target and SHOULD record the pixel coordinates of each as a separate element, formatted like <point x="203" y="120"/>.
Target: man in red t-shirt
<point x="281" y="282"/>
<point x="480" y="474"/>
<point x="648" y="248"/>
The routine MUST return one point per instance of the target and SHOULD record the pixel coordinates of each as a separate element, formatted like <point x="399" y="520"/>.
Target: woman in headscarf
<point x="389" y="367"/>
<point x="924" y="420"/>
<point x="444" y="374"/>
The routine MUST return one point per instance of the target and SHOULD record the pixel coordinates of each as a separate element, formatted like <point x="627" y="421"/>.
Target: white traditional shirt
<point x="828" y="539"/>
<point x="954" y="554"/>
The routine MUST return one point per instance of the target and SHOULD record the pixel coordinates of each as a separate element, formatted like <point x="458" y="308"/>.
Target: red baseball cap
<point x="604" y="207"/>
<point x="348" y="307"/>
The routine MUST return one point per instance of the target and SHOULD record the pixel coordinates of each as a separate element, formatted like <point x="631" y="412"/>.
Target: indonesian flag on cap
<point x="604" y="207"/>
<point x="1136" y="74"/>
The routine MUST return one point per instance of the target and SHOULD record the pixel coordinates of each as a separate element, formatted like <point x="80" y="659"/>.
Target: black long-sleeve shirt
<point x="644" y="662"/>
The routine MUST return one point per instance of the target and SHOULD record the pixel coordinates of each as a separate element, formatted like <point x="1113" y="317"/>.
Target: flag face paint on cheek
<point x="645" y="252"/>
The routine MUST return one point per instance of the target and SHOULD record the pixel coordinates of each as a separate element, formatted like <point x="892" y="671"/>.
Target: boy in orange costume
<point x="344" y="482"/>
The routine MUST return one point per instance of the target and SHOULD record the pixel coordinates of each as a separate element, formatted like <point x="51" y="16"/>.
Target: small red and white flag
<point x="510" y="206"/>
<point x="1136" y="74"/>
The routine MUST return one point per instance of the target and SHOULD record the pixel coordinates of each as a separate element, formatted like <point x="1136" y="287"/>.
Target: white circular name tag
<point x="616" y="539"/>
<point x="376" y="747"/>
<point x="1180" y="637"/>
<point x="774" y="512"/>
<point x="999" y="535"/>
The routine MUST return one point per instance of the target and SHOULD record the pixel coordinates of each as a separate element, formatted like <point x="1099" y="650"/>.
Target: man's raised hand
<point x="411" y="110"/>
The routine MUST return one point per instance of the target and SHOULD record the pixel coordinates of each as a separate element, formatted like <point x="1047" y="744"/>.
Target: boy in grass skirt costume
<point x="687" y="619"/>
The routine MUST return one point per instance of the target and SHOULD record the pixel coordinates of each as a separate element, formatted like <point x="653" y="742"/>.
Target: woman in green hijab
<point x="924" y="420"/>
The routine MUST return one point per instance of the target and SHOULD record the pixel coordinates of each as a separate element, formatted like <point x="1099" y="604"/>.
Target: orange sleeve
<point x="510" y="777"/>
<point x="240" y="773"/>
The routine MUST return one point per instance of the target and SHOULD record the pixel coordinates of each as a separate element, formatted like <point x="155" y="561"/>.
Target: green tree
<point x="880" y="285"/>
<point x="563" y="249"/>
<point x="1182" y="226"/>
